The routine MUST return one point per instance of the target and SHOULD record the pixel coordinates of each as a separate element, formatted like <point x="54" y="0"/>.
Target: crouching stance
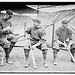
<point x="7" y="38"/>
<point x="36" y="36"/>
<point x="64" y="35"/>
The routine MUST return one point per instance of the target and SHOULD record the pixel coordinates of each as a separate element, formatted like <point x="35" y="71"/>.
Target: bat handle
<point x="33" y="59"/>
<point x="71" y="55"/>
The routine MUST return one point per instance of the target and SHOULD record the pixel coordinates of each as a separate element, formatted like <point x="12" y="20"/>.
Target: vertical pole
<point x="37" y="11"/>
<point x="24" y="29"/>
<point x="53" y="34"/>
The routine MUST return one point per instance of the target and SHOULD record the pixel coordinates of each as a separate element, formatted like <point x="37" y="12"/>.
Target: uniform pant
<point x="57" y="47"/>
<point x="12" y="39"/>
<point x="5" y="42"/>
<point x="6" y="46"/>
<point x="40" y="47"/>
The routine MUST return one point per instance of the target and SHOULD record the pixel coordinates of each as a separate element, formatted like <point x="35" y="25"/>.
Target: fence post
<point x="24" y="29"/>
<point x="53" y="34"/>
<point x="37" y="11"/>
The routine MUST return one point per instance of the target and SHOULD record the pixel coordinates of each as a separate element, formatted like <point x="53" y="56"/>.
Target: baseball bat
<point x="71" y="55"/>
<point x="33" y="58"/>
<point x="70" y="52"/>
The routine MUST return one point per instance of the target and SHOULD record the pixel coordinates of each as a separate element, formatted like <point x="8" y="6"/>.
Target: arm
<point x="58" y="32"/>
<point x="9" y="27"/>
<point x="27" y="32"/>
<point x="1" y="24"/>
<point x="58" y="35"/>
<point x="70" y="38"/>
<point x="42" y="39"/>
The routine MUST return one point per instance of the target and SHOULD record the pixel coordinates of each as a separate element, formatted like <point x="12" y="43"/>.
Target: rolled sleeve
<point x="70" y="34"/>
<point x="43" y="35"/>
<point x="58" y="33"/>
<point x="28" y="30"/>
<point x="1" y="24"/>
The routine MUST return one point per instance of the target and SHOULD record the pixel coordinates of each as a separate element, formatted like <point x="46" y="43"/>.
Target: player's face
<point x="7" y="16"/>
<point x="65" y="25"/>
<point x="36" y="24"/>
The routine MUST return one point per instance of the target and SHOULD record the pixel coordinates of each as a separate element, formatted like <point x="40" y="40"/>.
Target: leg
<point x="7" y="54"/>
<point x="13" y="40"/>
<point x="55" y="51"/>
<point x="44" y="53"/>
<point x="26" y="52"/>
<point x="11" y="46"/>
<point x="6" y="49"/>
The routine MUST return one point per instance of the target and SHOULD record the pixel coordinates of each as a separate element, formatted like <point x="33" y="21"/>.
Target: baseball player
<point x="36" y="35"/>
<point x="6" y="35"/>
<point x="64" y="35"/>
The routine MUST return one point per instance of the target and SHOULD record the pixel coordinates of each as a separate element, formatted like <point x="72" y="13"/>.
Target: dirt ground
<point x="17" y="56"/>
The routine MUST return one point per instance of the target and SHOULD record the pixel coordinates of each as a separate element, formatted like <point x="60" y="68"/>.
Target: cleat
<point x="1" y="64"/>
<point x="55" y="63"/>
<point x="9" y="62"/>
<point x="26" y="66"/>
<point x="45" y="65"/>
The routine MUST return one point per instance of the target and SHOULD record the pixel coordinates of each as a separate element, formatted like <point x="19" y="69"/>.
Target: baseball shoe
<point x="9" y="62"/>
<point x="45" y="65"/>
<point x="55" y="63"/>
<point x="26" y="65"/>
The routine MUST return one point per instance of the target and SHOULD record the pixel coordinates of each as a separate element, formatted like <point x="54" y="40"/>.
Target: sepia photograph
<point x="37" y="37"/>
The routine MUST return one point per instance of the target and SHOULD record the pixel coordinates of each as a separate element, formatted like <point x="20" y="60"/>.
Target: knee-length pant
<point x="40" y="47"/>
<point x="5" y="42"/>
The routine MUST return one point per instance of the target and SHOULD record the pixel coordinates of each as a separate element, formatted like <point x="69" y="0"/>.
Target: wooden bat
<point x="34" y="63"/>
<point x="70" y="52"/>
<point x="71" y="55"/>
<point x="33" y="58"/>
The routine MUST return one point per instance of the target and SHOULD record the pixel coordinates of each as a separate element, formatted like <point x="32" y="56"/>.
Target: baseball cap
<point x="9" y="12"/>
<point x="64" y="22"/>
<point x="37" y="20"/>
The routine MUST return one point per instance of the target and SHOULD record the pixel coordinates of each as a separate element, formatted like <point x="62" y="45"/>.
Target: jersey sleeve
<point x="70" y="34"/>
<point x="10" y="23"/>
<point x="28" y="30"/>
<point x="58" y="33"/>
<point x="1" y="24"/>
<point x="43" y="35"/>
